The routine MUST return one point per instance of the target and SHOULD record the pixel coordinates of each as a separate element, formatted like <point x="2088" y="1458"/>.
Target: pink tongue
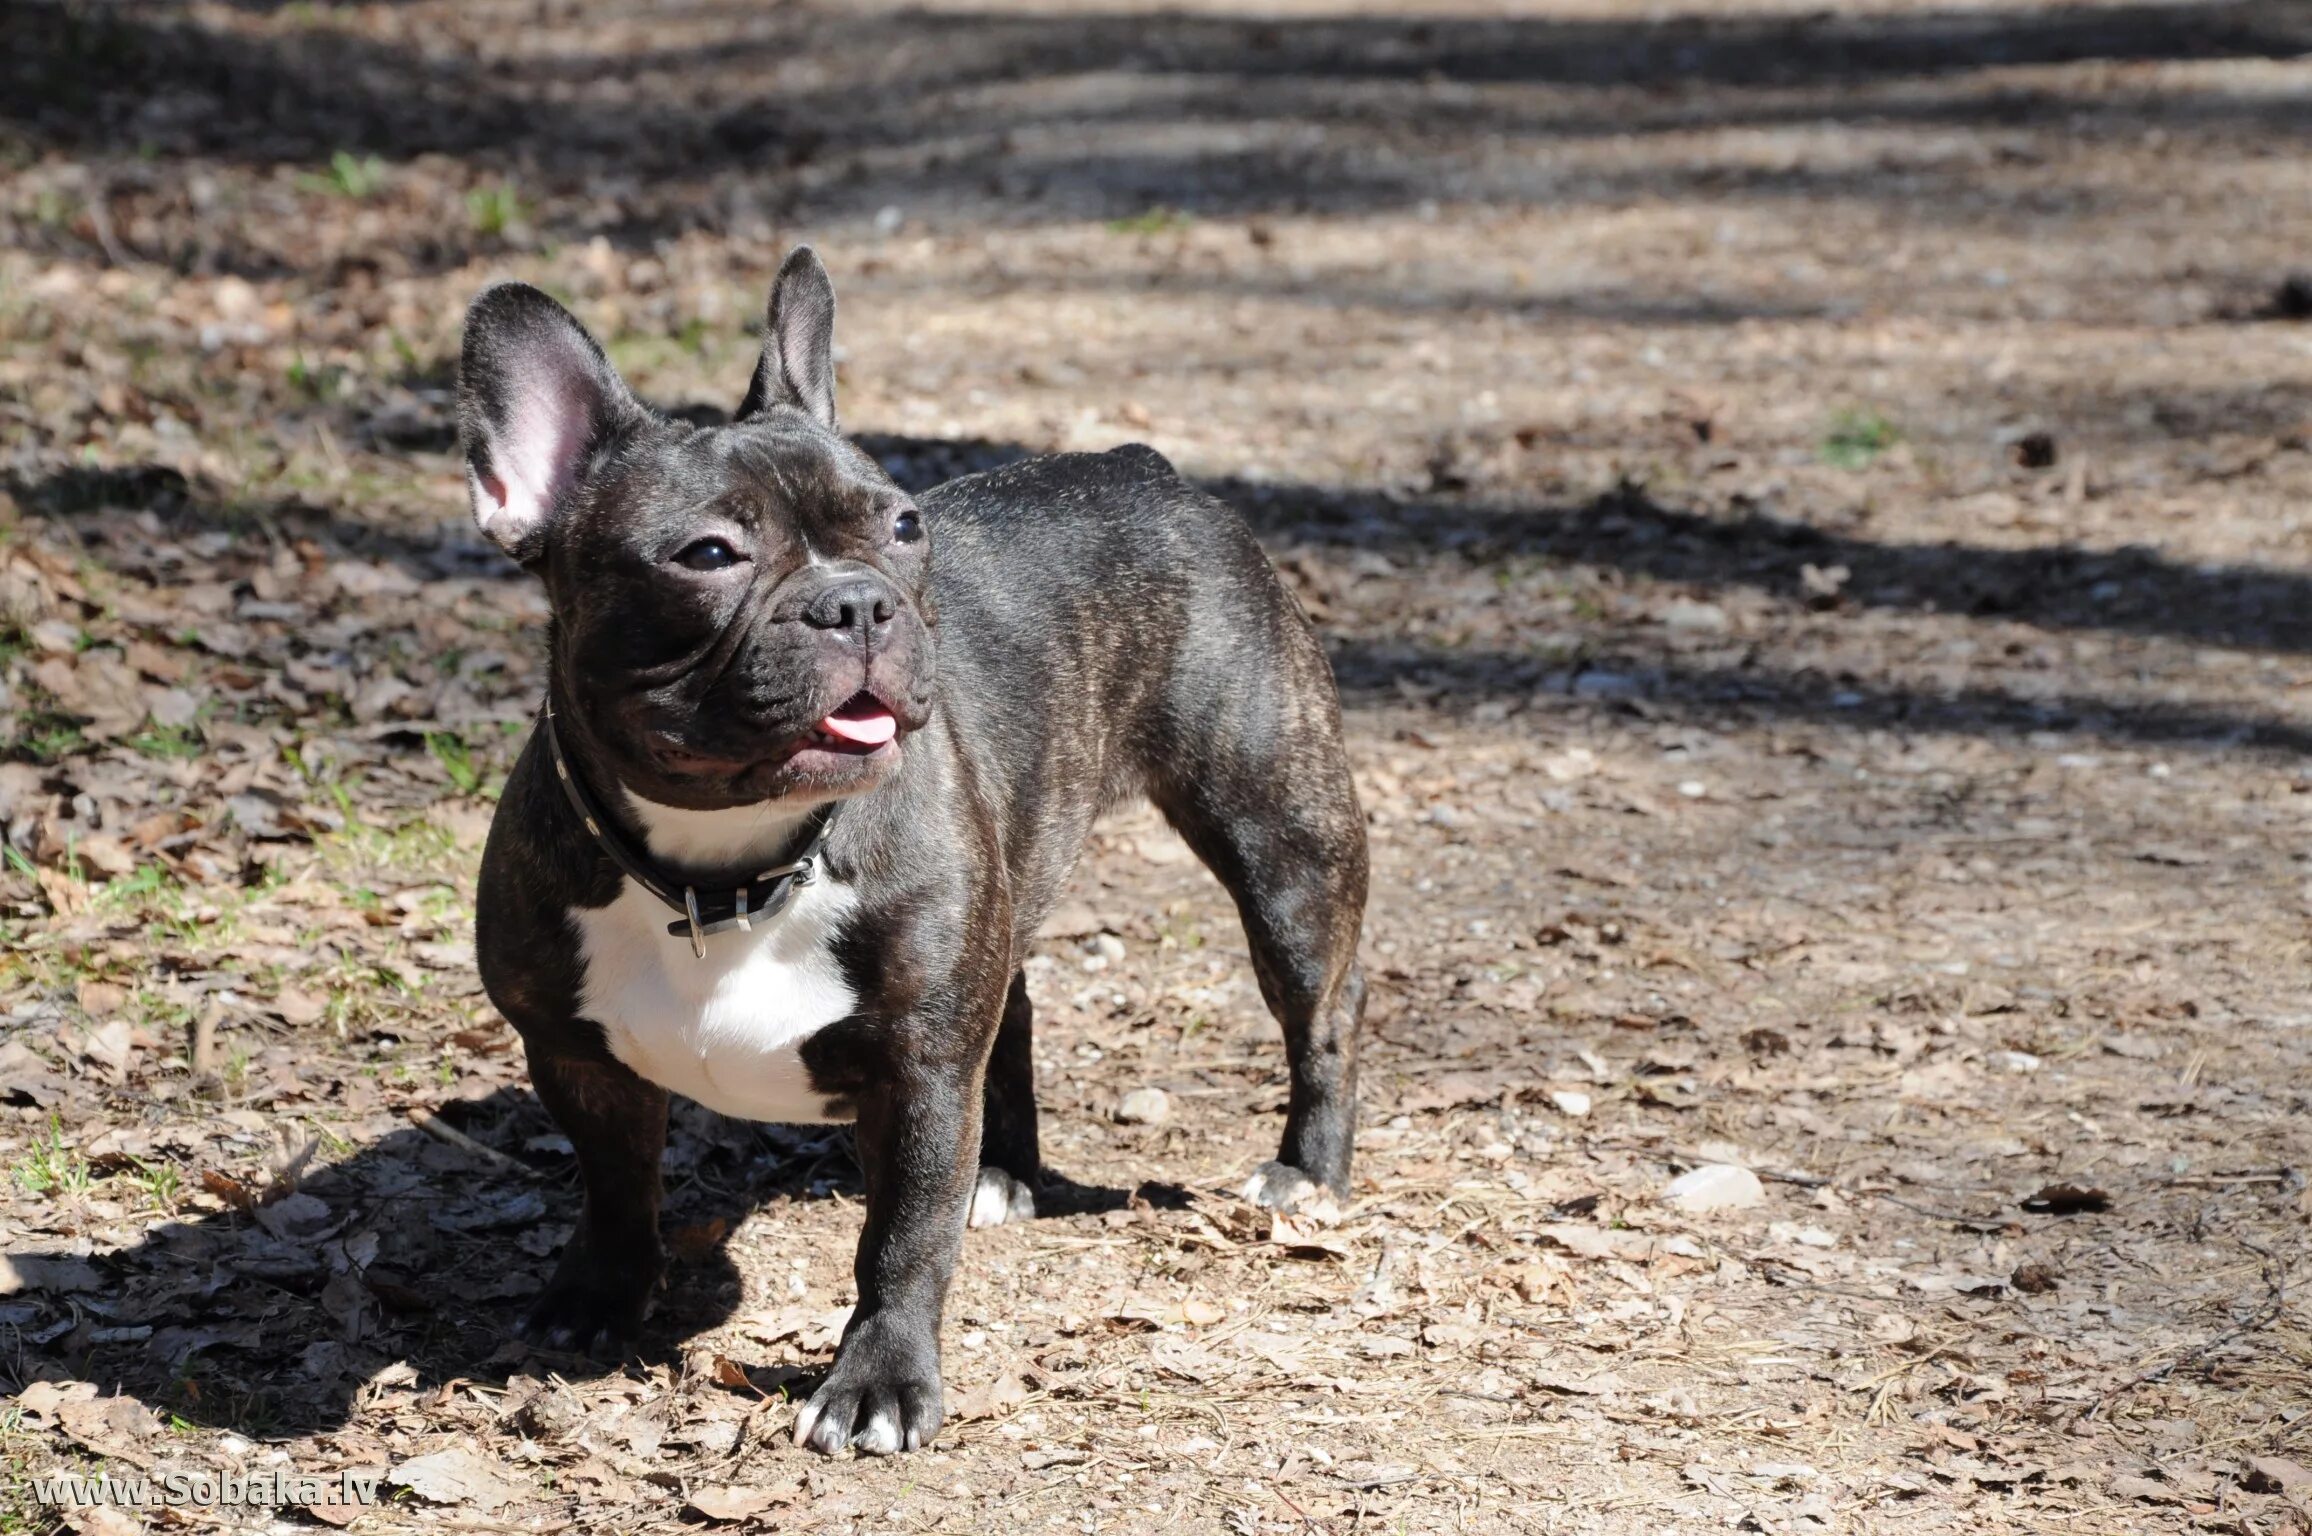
<point x="868" y="730"/>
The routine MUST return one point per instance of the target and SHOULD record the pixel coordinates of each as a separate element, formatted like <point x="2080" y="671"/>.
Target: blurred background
<point x="1808" y="504"/>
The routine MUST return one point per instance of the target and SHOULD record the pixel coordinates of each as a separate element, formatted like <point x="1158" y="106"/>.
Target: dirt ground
<point x="1810" y="513"/>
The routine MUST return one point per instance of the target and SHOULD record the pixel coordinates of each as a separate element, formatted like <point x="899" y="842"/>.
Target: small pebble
<point x="1696" y="618"/>
<point x="1145" y="1106"/>
<point x="1715" y="1187"/>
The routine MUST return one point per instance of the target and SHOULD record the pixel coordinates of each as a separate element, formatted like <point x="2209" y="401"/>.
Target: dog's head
<point x="740" y="612"/>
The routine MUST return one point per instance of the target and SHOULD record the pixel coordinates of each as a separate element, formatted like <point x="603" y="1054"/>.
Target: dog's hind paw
<point x="1282" y="1188"/>
<point x="573" y="1316"/>
<point x="998" y="1198"/>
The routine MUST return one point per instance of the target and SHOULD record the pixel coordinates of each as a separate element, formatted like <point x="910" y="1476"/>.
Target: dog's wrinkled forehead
<point x="778" y="476"/>
<point x="808" y="469"/>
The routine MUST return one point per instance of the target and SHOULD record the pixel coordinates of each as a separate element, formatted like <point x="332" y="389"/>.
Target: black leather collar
<point x="698" y="914"/>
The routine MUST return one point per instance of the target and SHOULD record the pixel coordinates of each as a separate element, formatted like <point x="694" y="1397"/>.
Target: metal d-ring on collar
<point x="740" y="907"/>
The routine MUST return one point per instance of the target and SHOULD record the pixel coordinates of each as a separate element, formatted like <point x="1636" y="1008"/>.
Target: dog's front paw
<point x="998" y="1198"/>
<point x="591" y="1310"/>
<point x="1282" y="1188"/>
<point x="882" y="1397"/>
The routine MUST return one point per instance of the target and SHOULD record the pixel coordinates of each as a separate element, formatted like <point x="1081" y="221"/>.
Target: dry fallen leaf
<point x="110" y="1426"/>
<point x="455" y="1476"/>
<point x="1189" y="1310"/>
<point x="2129" y="1486"/>
<point x="298" y="1006"/>
<point x="2276" y="1474"/>
<point x="813" y="1329"/>
<point x="1375" y="1474"/>
<point x="109" y="1045"/>
<point x="992" y="1399"/>
<point x="234" y="1192"/>
<point x="1304" y="1239"/>
<point x="105" y="1520"/>
<point x="729" y="1503"/>
<point x="697" y="1242"/>
<point x="334" y="1507"/>
<point x="40" y="1399"/>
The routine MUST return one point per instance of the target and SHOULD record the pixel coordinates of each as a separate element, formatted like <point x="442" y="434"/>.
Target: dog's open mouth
<point x="864" y="724"/>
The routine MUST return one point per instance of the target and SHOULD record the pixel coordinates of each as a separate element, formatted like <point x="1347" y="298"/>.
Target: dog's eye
<point x="707" y="555"/>
<point x="907" y="527"/>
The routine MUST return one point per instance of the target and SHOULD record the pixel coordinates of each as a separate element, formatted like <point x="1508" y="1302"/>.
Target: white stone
<point x="1696" y="618"/>
<point x="1715" y="1187"/>
<point x="1145" y="1106"/>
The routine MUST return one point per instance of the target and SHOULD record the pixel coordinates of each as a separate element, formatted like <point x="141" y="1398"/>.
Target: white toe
<point x="998" y="1198"/>
<point x="880" y="1437"/>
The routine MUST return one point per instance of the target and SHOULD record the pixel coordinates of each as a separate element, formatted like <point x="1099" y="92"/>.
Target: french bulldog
<point x="815" y="760"/>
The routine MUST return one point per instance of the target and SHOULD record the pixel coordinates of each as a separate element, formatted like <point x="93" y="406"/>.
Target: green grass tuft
<point x="51" y="1167"/>
<point x="356" y="177"/>
<point x="1155" y="221"/>
<point x="1856" y="438"/>
<point x="494" y="210"/>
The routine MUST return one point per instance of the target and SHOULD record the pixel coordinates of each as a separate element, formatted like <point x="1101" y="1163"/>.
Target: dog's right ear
<point x="536" y="398"/>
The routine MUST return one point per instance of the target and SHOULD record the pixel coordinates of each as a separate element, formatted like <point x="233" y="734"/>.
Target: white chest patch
<point x="726" y="1030"/>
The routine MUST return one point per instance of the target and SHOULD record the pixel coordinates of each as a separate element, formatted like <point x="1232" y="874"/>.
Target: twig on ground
<point x="441" y="1130"/>
<point x="100" y="221"/>
<point x="204" y="1054"/>
<point x="1983" y="1223"/>
<point x="1306" y="1518"/>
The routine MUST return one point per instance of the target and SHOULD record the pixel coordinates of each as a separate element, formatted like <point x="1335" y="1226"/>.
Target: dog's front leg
<point x="616" y="1123"/>
<point x="918" y="1138"/>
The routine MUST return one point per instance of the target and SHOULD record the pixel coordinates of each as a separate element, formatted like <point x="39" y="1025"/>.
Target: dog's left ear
<point x="797" y="367"/>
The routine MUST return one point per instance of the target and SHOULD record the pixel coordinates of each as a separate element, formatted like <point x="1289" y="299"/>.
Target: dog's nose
<point x="857" y="605"/>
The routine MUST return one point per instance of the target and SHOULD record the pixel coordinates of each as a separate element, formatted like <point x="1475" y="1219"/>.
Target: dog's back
<point x="1097" y="616"/>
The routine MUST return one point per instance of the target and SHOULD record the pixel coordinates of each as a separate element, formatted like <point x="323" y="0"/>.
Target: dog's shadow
<point x="417" y="1254"/>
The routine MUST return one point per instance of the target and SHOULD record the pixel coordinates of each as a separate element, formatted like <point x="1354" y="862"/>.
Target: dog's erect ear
<point x="798" y="361"/>
<point x="536" y="397"/>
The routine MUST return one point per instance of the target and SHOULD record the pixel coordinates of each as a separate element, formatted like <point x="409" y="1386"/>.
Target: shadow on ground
<point x="270" y="1319"/>
<point x="1027" y="113"/>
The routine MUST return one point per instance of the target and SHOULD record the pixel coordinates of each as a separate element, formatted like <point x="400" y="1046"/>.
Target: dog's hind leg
<point x="1010" y="1160"/>
<point x="1267" y="803"/>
